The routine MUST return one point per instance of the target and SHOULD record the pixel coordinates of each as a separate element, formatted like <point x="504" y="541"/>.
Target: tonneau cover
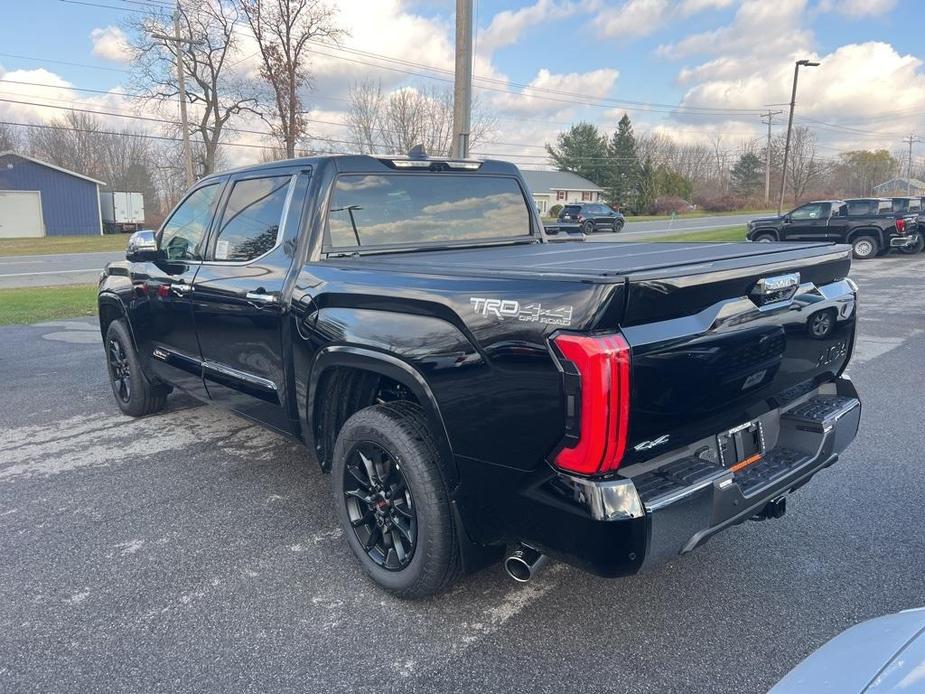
<point x="600" y="260"/>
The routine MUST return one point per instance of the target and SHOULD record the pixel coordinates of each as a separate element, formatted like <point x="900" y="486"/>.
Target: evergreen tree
<point x="747" y="174"/>
<point x="581" y="150"/>
<point x="625" y="170"/>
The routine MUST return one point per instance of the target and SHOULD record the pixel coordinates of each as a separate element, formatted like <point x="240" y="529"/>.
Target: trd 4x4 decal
<point x="509" y="308"/>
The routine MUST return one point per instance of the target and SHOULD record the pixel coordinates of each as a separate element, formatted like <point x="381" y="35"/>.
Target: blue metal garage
<point x="41" y="199"/>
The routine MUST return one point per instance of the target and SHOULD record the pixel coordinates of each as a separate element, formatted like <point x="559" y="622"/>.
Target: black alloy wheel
<point x="135" y="395"/>
<point x="587" y="227"/>
<point x="380" y="506"/>
<point x="617" y="226"/>
<point x="120" y="371"/>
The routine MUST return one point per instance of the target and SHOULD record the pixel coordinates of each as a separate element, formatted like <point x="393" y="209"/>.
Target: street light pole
<point x="767" y="155"/>
<point x="462" y="92"/>
<point x="793" y="101"/>
<point x="181" y="88"/>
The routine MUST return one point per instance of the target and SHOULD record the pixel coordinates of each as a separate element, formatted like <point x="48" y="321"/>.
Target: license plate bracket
<point x="741" y="444"/>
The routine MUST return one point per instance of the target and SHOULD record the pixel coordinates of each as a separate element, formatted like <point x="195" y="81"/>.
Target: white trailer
<point x="122" y="211"/>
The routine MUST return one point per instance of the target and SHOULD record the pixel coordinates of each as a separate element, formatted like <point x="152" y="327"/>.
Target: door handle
<point x="261" y="297"/>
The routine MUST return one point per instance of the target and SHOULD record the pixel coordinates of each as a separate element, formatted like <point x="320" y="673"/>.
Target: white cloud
<point x="111" y="43"/>
<point x="593" y="84"/>
<point x="507" y="26"/>
<point x="857" y="8"/>
<point x="635" y="18"/>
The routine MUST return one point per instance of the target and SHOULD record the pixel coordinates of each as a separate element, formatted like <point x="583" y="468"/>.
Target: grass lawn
<point x="729" y="234"/>
<point x="37" y="304"/>
<point x="63" y="244"/>
<point x="693" y="215"/>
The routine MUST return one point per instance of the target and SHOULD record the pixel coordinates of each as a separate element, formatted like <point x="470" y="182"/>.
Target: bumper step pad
<point x="679" y="477"/>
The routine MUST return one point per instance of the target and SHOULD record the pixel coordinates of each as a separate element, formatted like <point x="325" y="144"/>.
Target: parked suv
<point x="868" y="224"/>
<point x="591" y="217"/>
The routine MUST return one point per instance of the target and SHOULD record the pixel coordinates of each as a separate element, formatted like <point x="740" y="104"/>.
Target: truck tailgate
<point x="717" y="345"/>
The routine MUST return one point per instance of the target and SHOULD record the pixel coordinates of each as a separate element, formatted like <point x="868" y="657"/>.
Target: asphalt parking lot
<point x="194" y="551"/>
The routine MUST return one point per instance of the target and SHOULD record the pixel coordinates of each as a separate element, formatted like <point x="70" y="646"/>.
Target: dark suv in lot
<point x="592" y="217"/>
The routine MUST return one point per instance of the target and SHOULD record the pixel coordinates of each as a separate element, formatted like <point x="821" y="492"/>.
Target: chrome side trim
<point x="240" y="375"/>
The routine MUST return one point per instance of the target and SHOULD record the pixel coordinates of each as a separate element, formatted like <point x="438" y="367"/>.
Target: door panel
<point x="237" y="299"/>
<point x="806" y="223"/>
<point x="163" y="323"/>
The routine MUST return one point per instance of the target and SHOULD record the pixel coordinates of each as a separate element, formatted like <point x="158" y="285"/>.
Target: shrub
<point x="668" y="204"/>
<point x="554" y="210"/>
<point x="719" y="203"/>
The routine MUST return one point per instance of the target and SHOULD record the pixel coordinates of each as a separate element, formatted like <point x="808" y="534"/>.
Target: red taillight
<point x="580" y="218"/>
<point x="601" y="413"/>
<point x="901" y="226"/>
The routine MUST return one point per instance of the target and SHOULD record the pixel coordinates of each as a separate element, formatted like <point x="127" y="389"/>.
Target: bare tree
<point x="74" y="142"/>
<point x="283" y="29"/>
<point x="216" y="94"/>
<point x="9" y="139"/>
<point x="396" y="122"/>
<point x="803" y="166"/>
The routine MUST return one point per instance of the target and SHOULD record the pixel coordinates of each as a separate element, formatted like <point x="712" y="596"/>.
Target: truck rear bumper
<point x="684" y="502"/>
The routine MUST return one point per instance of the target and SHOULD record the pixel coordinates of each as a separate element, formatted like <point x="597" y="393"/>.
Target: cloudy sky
<point x="699" y="70"/>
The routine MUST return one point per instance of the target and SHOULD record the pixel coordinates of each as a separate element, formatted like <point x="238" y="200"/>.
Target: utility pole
<point x="909" y="141"/>
<point x="793" y="102"/>
<point x="462" y="92"/>
<point x="767" y="155"/>
<point x="181" y="88"/>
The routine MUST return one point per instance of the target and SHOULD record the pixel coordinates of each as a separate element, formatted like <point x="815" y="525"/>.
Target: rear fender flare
<point x="396" y="369"/>
<point x="878" y="234"/>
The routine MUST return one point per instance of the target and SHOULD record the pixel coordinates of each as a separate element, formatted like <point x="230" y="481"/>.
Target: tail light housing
<point x="596" y="371"/>
<point x="901" y="226"/>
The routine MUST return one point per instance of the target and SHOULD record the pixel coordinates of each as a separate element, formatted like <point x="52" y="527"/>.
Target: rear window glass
<point x="571" y="209"/>
<point x="862" y="208"/>
<point x="390" y="209"/>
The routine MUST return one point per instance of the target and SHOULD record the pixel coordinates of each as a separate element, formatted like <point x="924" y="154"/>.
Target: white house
<point x="901" y="186"/>
<point x="559" y="187"/>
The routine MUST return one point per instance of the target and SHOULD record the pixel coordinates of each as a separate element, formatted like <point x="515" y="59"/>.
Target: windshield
<point x="395" y="209"/>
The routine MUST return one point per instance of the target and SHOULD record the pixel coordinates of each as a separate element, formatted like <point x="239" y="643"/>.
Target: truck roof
<point x="364" y="163"/>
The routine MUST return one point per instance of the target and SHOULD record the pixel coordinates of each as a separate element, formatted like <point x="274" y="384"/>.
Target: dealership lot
<point x="194" y="550"/>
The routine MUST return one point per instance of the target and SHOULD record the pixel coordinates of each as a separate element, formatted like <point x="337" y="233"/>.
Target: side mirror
<point x="142" y="247"/>
<point x="786" y="219"/>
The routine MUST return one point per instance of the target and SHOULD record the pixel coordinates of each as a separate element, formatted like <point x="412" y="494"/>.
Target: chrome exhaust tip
<point x="523" y="563"/>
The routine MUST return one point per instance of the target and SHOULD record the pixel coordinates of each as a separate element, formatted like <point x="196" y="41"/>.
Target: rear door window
<point x="252" y="220"/>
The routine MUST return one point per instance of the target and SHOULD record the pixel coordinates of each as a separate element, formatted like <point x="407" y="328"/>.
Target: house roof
<point x="546" y="181"/>
<point x="51" y="166"/>
<point x="902" y="182"/>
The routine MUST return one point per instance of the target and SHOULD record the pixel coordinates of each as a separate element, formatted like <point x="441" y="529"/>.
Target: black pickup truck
<point x="870" y="225"/>
<point x="472" y="387"/>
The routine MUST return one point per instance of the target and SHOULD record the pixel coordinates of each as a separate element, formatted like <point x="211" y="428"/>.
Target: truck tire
<point x="864" y="247"/>
<point x="392" y="502"/>
<point x="135" y="395"/>
<point x="587" y="227"/>
<point x="916" y="247"/>
<point x="765" y="238"/>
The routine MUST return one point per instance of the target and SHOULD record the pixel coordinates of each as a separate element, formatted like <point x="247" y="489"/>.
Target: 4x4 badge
<point x="646" y="445"/>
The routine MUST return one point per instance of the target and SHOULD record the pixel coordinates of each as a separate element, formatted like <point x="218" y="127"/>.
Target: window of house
<point x="560" y="195"/>
<point x="585" y="196"/>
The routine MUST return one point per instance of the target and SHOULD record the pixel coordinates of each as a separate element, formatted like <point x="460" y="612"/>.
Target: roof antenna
<point x="417" y="152"/>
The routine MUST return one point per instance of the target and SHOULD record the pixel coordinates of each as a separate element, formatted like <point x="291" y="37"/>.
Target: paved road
<point x="642" y="229"/>
<point x="194" y="551"/>
<point x="78" y="268"/>
<point x="47" y="270"/>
